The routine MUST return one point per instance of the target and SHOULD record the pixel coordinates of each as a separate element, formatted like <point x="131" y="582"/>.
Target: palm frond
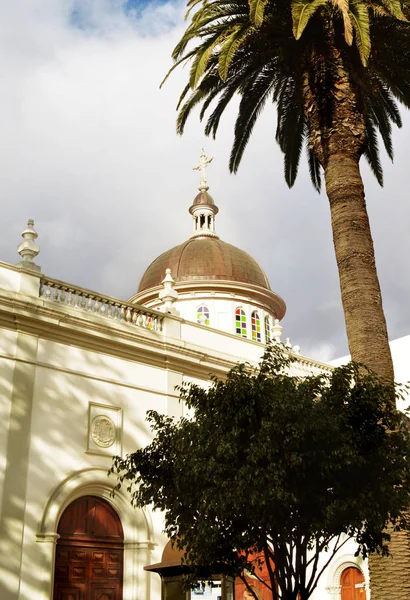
<point x="359" y="16"/>
<point x="302" y="10"/>
<point x="229" y="48"/>
<point x="213" y="121"/>
<point x="290" y="130"/>
<point x="394" y="8"/>
<point x="389" y="105"/>
<point x="372" y="151"/>
<point x="195" y="98"/>
<point x="314" y="170"/>
<point x="178" y="62"/>
<point x="343" y="7"/>
<point x="183" y="94"/>
<point x="261" y="49"/>
<point x="202" y="58"/>
<point x="256" y="11"/>
<point x="191" y="5"/>
<point x="254" y="97"/>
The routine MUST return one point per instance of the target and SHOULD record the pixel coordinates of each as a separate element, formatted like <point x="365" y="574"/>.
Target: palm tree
<point x="335" y="70"/>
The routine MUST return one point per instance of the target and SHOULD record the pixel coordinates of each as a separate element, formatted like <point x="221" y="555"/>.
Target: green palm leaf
<point x="254" y="97"/>
<point x="372" y="151"/>
<point x="256" y="11"/>
<point x="229" y="48"/>
<point x="240" y="43"/>
<point x="314" y="170"/>
<point x="302" y="10"/>
<point x="394" y="8"/>
<point x="202" y="58"/>
<point x="359" y="16"/>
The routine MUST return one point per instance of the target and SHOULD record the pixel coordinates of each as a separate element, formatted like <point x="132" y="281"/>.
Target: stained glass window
<point x="203" y="311"/>
<point x="267" y="330"/>
<point x="256" y="326"/>
<point x="240" y="322"/>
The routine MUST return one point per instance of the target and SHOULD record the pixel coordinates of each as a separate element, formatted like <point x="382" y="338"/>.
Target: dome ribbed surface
<point x="205" y="258"/>
<point x="203" y="198"/>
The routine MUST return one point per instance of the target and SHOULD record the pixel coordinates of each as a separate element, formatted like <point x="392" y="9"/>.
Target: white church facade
<point x="79" y="370"/>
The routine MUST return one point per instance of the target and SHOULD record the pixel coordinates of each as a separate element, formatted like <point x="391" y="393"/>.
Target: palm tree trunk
<point x="389" y="576"/>
<point x="359" y="284"/>
<point x="338" y="146"/>
<point x="338" y="140"/>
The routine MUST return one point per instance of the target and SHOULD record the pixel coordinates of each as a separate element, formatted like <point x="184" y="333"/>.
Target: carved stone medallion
<point x="103" y="431"/>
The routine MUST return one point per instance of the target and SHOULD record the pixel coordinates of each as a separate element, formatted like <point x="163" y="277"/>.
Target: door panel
<point x="64" y="592"/>
<point x="105" y="593"/>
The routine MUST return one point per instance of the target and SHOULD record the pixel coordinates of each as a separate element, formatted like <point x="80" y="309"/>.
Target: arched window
<point x="240" y="322"/>
<point x="202" y="315"/>
<point x="256" y="326"/>
<point x="267" y="330"/>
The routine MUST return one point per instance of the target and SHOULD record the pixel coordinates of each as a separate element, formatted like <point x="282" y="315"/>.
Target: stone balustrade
<point x="103" y="306"/>
<point x="304" y="366"/>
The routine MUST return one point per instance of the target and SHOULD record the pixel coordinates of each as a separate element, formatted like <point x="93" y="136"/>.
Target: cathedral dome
<point x="205" y="266"/>
<point x="204" y="258"/>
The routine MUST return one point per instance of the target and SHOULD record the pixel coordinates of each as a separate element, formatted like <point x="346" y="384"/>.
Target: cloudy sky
<point x="88" y="149"/>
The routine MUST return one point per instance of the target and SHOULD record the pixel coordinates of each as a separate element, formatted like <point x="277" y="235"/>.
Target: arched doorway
<point x="89" y="553"/>
<point x="352" y="582"/>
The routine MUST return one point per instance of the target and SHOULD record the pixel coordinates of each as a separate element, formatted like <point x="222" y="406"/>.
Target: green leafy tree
<point x="335" y="70"/>
<point x="273" y="464"/>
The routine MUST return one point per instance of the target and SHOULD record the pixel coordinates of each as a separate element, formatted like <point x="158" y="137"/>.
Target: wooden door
<point x="352" y="582"/>
<point x="89" y="553"/>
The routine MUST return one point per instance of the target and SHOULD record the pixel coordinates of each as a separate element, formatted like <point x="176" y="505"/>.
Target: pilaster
<point x="17" y="458"/>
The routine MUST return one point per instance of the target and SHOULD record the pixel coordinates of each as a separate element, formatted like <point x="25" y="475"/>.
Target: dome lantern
<point x="203" y="209"/>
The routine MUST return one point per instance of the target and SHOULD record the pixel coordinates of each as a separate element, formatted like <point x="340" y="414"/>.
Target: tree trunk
<point x="389" y="575"/>
<point x="338" y="146"/>
<point x="359" y="284"/>
<point x="337" y="137"/>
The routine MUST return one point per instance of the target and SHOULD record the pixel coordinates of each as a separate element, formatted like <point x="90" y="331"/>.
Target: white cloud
<point x="88" y="149"/>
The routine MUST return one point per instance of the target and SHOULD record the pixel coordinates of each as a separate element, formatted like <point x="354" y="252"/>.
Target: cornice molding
<point x="98" y="334"/>
<point x="68" y="325"/>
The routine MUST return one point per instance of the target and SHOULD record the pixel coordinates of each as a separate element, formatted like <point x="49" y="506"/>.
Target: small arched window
<point x="256" y="326"/>
<point x="202" y="315"/>
<point x="240" y="322"/>
<point x="267" y="330"/>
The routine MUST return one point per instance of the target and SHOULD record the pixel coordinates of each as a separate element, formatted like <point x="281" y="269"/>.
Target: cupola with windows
<point x="218" y="285"/>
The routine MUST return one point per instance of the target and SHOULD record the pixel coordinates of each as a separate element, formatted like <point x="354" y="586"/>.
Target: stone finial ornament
<point x="296" y="349"/>
<point x="204" y="161"/>
<point x="168" y="295"/>
<point x="288" y="345"/>
<point x="277" y="331"/>
<point x="28" y="249"/>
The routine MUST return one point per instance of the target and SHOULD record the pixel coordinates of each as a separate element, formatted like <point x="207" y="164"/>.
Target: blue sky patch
<point x="84" y="15"/>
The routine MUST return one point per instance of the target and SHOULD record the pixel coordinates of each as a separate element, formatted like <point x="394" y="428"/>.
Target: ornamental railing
<point x="103" y="306"/>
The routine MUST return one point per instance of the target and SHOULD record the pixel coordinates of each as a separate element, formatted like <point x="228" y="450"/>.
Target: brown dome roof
<point x="205" y="258"/>
<point x="203" y="198"/>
